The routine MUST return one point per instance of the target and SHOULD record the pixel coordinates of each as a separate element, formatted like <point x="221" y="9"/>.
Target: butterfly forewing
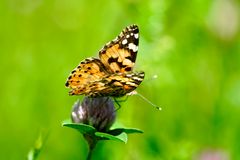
<point x="88" y="71"/>
<point x="120" y="54"/>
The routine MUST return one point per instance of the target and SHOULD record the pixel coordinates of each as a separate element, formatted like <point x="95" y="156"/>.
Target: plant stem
<point x="91" y="145"/>
<point x="90" y="152"/>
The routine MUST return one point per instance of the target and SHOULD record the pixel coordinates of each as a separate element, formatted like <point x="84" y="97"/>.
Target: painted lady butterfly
<point x="111" y="74"/>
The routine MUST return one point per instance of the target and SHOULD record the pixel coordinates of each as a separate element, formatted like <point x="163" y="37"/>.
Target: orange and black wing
<point x="120" y="54"/>
<point x="87" y="72"/>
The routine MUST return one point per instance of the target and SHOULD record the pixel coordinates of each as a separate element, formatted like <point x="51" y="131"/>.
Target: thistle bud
<point x="97" y="112"/>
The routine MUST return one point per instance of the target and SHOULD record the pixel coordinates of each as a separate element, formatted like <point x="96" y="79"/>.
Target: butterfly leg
<point x="118" y="104"/>
<point x="122" y="100"/>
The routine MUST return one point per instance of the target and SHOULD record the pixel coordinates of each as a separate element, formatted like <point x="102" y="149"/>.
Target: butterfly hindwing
<point x="120" y="84"/>
<point x="115" y="85"/>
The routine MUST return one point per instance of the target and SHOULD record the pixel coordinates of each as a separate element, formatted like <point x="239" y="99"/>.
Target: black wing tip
<point x="133" y="27"/>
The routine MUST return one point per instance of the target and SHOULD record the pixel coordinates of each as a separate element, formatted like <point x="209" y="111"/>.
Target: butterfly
<point x="111" y="74"/>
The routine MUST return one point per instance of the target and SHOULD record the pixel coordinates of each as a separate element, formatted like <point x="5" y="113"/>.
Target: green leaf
<point x="118" y="128"/>
<point x="132" y="130"/>
<point x="83" y="128"/>
<point x="116" y="134"/>
<point x="105" y="136"/>
<point x="118" y="131"/>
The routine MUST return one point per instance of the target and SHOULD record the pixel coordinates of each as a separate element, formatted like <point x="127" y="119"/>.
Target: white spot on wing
<point x="137" y="79"/>
<point x="136" y="35"/>
<point x="133" y="47"/>
<point x="124" y="41"/>
<point x="132" y="84"/>
<point x="142" y="74"/>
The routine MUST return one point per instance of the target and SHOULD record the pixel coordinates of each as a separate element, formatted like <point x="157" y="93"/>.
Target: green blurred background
<point x="192" y="47"/>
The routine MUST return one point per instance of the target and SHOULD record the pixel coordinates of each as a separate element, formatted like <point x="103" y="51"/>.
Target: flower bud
<point x="98" y="112"/>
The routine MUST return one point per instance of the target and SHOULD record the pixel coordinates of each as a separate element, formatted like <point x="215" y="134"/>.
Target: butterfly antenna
<point x="144" y="98"/>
